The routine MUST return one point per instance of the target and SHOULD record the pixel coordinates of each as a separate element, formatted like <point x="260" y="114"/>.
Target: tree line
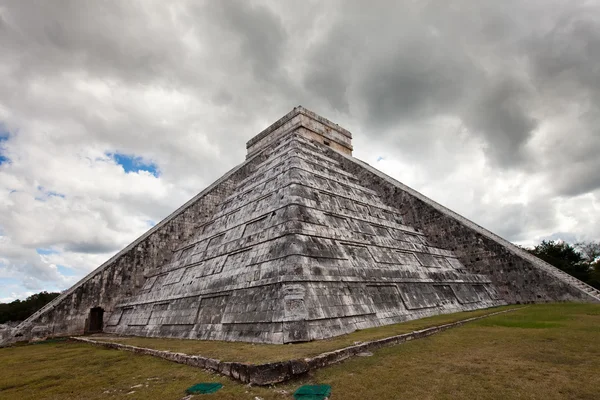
<point x="581" y="260"/>
<point x="19" y="310"/>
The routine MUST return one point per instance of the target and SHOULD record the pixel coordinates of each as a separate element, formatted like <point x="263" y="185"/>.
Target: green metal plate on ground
<point x="204" y="388"/>
<point x="312" y="392"/>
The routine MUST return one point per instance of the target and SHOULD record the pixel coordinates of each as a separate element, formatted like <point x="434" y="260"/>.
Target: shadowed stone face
<point x="300" y="242"/>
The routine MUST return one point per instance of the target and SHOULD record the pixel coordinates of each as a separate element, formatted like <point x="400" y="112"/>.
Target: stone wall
<point x="518" y="276"/>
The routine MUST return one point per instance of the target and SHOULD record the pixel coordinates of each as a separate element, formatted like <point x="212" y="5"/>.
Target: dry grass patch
<point x="71" y="370"/>
<point x="540" y="352"/>
<point x="263" y="353"/>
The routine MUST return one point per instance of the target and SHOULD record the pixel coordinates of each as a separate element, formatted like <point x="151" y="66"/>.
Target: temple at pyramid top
<point x="299" y="242"/>
<point x="317" y="128"/>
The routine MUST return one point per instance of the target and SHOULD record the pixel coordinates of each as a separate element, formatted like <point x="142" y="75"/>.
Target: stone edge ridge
<point x="281" y="371"/>
<point x="537" y="262"/>
<point x="155" y="228"/>
<point x="297" y="110"/>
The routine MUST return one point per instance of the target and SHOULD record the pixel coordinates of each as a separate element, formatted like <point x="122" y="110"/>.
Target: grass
<point x="71" y="370"/>
<point x="262" y="353"/>
<point x="539" y="352"/>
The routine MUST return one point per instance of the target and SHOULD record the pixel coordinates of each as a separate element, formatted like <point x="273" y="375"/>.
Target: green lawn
<point x="262" y="353"/>
<point x="539" y="352"/>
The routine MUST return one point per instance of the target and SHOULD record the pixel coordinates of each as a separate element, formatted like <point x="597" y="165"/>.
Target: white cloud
<point x="495" y="117"/>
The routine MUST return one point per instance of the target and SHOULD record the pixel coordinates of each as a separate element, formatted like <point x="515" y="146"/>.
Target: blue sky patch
<point x="65" y="271"/>
<point x="45" y="252"/>
<point x="3" y="133"/>
<point x="131" y="163"/>
<point x="47" y="194"/>
<point x="9" y="281"/>
<point x="3" y="138"/>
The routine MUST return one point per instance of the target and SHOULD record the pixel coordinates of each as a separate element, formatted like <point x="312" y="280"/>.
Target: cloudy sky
<point x="114" y="113"/>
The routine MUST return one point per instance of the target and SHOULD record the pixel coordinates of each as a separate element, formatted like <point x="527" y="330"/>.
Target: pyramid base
<point x="309" y="310"/>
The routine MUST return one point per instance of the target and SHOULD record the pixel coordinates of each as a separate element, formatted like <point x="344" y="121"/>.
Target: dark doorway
<point x="96" y="316"/>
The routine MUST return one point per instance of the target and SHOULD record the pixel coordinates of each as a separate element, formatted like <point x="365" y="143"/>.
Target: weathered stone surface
<point x="212" y="364"/>
<point x="265" y="374"/>
<point x="300" y="242"/>
<point x="239" y="371"/>
<point x="518" y="276"/>
<point x="298" y="367"/>
<point x="6" y="333"/>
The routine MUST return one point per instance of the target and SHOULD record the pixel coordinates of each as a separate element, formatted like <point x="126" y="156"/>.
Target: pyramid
<point x="300" y="242"/>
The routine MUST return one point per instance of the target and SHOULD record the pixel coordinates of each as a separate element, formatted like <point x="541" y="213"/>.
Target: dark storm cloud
<point x="563" y="57"/>
<point x="499" y="114"/>
<point x="514" y="221"/>
<point x="328" y="73"/>
<point x="420" y="79"/>
<point x="564" y="63"/>
<point x="468" y="59"/>
<point x="578" y="176"/>
<point x="260" y="32"/>
<point x="112" y="39"/>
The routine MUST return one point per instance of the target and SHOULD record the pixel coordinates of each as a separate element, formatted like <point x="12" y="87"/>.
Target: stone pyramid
<point x="300" y="242"/>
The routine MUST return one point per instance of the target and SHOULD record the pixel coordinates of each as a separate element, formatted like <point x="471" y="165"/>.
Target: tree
<point x="591" y="254"/>
<point x="19" y="310"/>
<point x="589" y="250"/>
<point x="563" y="256"/>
